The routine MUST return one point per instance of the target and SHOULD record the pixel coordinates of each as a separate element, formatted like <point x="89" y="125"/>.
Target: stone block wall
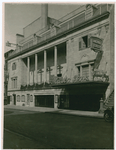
<point x="20" y="73"/>
<point x="23" y="72"/>
<point x="103" y="31"/>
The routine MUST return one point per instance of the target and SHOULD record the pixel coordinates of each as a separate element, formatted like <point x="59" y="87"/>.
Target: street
<point x="37" y="130"/>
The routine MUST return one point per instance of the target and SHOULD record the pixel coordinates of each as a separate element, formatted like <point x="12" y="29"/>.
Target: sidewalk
<point x="52" y="110"/>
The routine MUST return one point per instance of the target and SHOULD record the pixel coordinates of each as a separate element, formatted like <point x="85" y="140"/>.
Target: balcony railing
<point x="64" y="27"/>
<point x="97" y="76"/>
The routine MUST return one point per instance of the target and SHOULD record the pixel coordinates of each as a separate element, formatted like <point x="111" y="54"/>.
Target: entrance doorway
<point x="8" y="99"/>
<point x="62" y="101"/>
<point x="14" y="95"/>
<point x="86" y="102"/>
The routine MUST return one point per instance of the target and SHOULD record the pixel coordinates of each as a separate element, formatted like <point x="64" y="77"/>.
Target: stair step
<point x="109" y="102"/>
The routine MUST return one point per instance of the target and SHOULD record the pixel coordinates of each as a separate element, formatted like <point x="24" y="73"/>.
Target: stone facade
<point x="63" y="57"/>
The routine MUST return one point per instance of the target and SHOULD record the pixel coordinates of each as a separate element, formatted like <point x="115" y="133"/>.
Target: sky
<point x="19" y="15"/>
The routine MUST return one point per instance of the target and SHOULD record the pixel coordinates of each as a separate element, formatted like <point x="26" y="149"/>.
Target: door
<point x="14" y="99"/>
<point x="88" y="102"/>
<point x="62" y="101"/>
<point x="8" y="99"/>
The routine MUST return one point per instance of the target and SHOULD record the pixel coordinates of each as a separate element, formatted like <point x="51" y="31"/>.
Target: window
<point x="18" y="98"/>
<point x="83" y="42"/>
<point x="14" y="66"/>
<point x="85" y="71"/>
<point x="23" y="98"/>
<point x="10" y="98"/>
<point x="14" y="82"/>
<point x="31" y="98"/>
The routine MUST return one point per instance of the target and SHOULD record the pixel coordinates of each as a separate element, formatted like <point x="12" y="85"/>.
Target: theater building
<point x="66" y="63"/>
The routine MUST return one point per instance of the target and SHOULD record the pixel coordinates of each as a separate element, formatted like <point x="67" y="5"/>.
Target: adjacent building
<point x="66" y="63"/>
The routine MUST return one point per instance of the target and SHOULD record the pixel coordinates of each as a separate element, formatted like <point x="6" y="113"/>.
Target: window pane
<point x="18" y="98"/>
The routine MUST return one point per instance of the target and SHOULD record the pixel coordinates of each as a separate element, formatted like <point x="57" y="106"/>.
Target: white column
<point x="28" y="68"/>
<point x="35" y="68"/>
<point x="81" y="71"/>
<point x="45" y="65"/>
<point x="56" y="101"/>
<point x="55" y="60"/>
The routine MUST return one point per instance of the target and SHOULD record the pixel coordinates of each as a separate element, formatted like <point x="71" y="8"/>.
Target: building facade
<point x="66" y="63"/>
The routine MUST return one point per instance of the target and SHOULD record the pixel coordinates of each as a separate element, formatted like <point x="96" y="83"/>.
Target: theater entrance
<point x="84" y="102"/>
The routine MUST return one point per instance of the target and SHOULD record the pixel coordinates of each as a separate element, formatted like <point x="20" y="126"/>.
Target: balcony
<point x="98" y="77"/>
<point x="66" y="25"/>
<point x="96" y="85"/>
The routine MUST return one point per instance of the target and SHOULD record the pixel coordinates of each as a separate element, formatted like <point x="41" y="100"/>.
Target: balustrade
<point x="98" y="75"/>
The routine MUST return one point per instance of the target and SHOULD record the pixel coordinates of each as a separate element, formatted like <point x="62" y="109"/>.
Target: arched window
<point x="18" y="98"/>
<point x="14" y="66"/>
<point x="23" y="98"/>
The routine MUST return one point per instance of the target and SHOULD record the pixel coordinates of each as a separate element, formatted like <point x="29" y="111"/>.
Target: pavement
<point x="57" y="111"/>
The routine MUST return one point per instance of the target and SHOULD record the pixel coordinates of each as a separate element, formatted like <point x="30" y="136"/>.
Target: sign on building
<point x="96" y="44"/>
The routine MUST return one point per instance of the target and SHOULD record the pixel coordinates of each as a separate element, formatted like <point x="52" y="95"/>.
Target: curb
<point x="80" y="115"/>
<point x="58" y="112"/>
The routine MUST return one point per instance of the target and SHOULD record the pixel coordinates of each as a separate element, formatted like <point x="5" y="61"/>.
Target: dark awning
<point x="90" y="87"/>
